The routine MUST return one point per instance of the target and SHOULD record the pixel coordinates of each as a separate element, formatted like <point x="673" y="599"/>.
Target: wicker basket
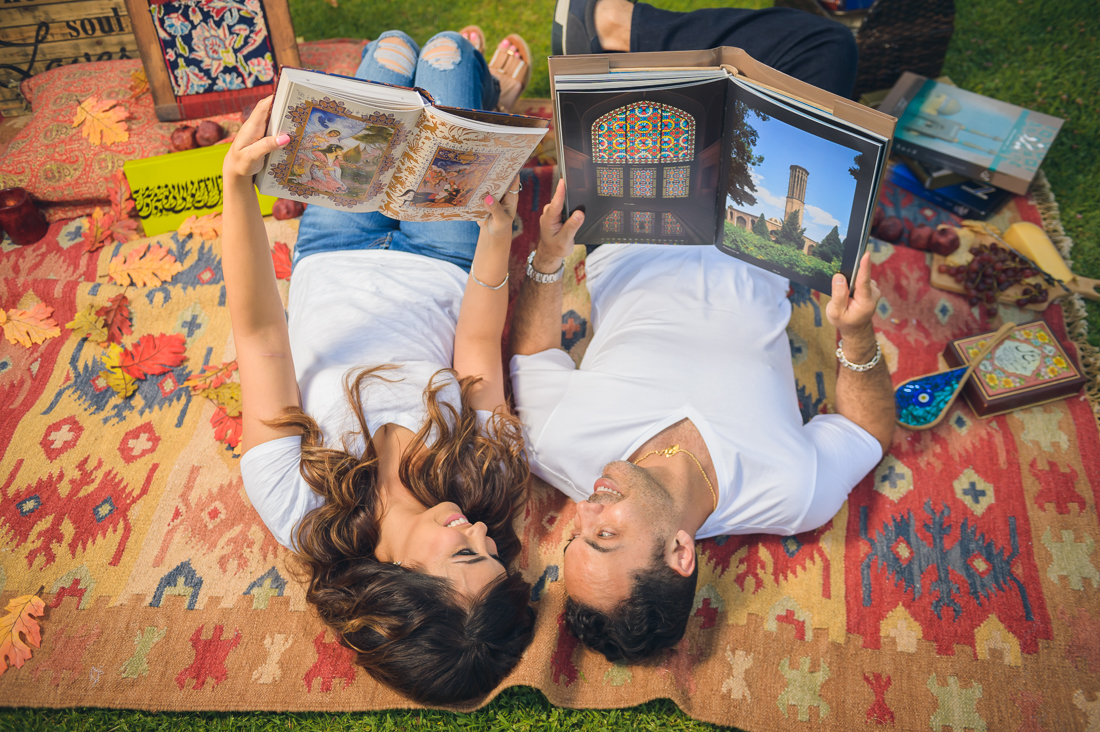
<point x="893" y="36"/>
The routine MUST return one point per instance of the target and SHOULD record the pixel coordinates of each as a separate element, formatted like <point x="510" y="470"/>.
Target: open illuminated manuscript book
<point x="366" y="146"/>
<point x="712" y="147"/>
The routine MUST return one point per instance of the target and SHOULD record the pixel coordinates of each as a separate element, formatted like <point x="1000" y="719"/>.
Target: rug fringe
<point x="1074" y="305"/>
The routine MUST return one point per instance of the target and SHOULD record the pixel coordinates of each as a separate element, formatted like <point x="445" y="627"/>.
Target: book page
<point x="342" y="151"/>
<point x="643" y="163"/>
<point x="451" y="164"/>
<point x="800" y="188"/>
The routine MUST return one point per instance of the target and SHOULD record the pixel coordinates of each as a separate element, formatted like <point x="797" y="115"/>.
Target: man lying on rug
<point x="377" y="440"/>
<point x="682" y="420"/>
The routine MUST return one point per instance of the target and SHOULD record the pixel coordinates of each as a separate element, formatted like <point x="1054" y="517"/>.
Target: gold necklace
<point x="669" y="452"/>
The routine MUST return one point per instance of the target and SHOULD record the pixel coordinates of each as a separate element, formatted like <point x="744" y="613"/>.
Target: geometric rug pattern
<point x="958" y="587"/>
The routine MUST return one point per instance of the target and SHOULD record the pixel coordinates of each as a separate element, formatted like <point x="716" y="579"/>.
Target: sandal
<point x="475" y="36"/>
<point x="511" y="65"/>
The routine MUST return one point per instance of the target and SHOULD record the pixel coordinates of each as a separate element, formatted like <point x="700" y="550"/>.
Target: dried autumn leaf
<point x="17" y="625"/>
<point x="280" y="255"/>
<point x="123" y="384"/>
<point x="210" y="377"/>
<point x="28" y="327"/>
<point x="102" y="121"/>
<point x="226" y="429"/>
<point x="205" y="227"/>
<point x="139" y="83"/>
<point x="116" y="318"/>
<point x="227" y="396"/>
<point x="145" y="266"/>
<point x="86" y="324"/>
<point x="98" y="231"/>
<point x="153" y="355"/>
<point x="122" y="200"/>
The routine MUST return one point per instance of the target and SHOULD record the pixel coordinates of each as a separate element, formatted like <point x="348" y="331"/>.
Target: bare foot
<point x="475" y="36"/>
<point x="511" y="65"/>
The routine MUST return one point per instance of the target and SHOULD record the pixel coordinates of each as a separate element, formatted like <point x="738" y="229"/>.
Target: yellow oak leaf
<point x="17" y="625"/>
<point x="145" y="266"/>
<point x="123" y="384"/>
<point x="205" y="227"/>
<point x="139" y="83"/>
<point x="86" y="324"/>
<point x="102" y="121"/>
<point x="28" y="327"/>
<point x="227" y="396"/>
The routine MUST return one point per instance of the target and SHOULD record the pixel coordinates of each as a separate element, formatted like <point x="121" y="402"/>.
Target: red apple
<point x="208" y="133"/>
<point x="183" y="138"/>
<point x="286" y="209"/>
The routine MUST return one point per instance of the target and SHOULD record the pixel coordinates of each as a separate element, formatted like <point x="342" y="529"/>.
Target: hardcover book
<point x="971" y="200"/>
<point x="169" y="188"/>
<point x="1028" y="367"/>
<point x="713" y="148"/>
<point x="366" y="146"/>
<point x="984" y="139"/>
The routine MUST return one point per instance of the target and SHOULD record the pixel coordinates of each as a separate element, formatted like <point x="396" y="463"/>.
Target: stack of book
<point x="963" y="151"/>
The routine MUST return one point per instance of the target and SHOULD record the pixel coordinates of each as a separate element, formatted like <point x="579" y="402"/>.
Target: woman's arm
<point x="481" y="319"/>
<point x="268" y="385"/>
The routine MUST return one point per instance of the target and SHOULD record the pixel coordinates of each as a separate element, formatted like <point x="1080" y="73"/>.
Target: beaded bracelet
<point x="861" y="367"/>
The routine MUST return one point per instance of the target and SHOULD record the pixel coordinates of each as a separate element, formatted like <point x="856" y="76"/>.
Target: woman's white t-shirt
<point x="349" y="310"/>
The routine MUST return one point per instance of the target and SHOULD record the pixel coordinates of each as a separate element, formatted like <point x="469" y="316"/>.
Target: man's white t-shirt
<point x="348" y="310"/>
<point x="689" y="332"/>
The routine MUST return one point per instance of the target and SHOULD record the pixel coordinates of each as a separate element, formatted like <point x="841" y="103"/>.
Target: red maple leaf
<point x="226" y="429"/>
<point x="99" y="229"/>
<point x="280" y="255"/>
<point x="152" y="355"/>
<point x="122" y="203"/>
<point x="116" y="316"/>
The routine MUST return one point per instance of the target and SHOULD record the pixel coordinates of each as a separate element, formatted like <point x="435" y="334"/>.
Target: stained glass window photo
<point x="676" y="182"/>
<point x="613" y="222"/>
<point x="642" y="222"/>
<point x="644" y="132"/>
<point x="609" y="181"/>
<point x="670" y="226"/>
<point x="643" y="182"/>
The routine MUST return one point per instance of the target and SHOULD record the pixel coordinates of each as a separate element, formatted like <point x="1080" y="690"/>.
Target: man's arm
<point x="866" y="398"/>
<point x="536" y="322"/>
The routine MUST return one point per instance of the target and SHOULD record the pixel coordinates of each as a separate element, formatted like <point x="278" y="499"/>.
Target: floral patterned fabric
<point x="51" y="159"/>
<point x="214" y="45"/>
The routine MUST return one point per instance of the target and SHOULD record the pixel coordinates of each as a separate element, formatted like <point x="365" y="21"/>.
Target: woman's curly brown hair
<point x="411" y="630"/>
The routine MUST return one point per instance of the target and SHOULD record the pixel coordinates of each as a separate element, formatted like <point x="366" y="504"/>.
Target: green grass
<point x="749" y="243"/>
<point x="1041" y="54"/>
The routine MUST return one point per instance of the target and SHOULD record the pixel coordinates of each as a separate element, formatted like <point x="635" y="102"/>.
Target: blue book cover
<point x="970" y="200"/>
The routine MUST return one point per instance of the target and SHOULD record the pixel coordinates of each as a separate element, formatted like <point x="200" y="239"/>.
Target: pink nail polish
<point x="488" y="200"/>
<point x="282" y="139"/>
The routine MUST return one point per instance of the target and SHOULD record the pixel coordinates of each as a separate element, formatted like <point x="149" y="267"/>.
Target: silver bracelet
<point x="860" y="367"/>
<point x="543" y="278"/>
<point x="490" y="287"/>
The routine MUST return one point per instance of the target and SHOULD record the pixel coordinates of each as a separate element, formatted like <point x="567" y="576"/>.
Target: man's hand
<point x="556" y="237"/>
<point x="246" y="155"/>
<point x="850" y="311"/>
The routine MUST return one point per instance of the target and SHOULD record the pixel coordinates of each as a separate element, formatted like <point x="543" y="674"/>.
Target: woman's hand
<point x="556" y="237"/>
<point x="501" y="212"/>
<point x="246" y="155"/>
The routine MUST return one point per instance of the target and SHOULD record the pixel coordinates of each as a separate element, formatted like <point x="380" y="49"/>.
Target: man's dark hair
<point x="653" y="618"/>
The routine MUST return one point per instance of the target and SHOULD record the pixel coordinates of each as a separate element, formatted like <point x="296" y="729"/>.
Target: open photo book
<point x="366" y="146"/>
<point x="712" y="147"/>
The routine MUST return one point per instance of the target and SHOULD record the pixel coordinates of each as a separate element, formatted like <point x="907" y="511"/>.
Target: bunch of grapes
<point x="992" y="270"/>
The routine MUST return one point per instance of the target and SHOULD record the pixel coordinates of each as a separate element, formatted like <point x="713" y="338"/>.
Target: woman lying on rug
<point x="378" y="443"/>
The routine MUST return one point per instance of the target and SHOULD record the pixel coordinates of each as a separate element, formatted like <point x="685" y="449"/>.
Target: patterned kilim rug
<point x="957" y="588"/>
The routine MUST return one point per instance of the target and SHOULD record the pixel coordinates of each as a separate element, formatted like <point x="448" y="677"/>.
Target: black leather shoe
<point x="574" y="29"/>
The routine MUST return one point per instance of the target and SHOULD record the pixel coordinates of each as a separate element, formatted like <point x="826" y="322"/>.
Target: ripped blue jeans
<point x="456" y="75"/>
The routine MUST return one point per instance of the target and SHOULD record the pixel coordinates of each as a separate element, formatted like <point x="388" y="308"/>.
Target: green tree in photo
<point x="743" y="137"/>
<point x="831" y="248"/>
<point x="760" y="227"/>
<point x="791" y="234"/>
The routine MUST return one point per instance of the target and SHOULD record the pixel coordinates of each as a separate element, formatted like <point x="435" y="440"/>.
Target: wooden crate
<point x="38" y="35"/>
